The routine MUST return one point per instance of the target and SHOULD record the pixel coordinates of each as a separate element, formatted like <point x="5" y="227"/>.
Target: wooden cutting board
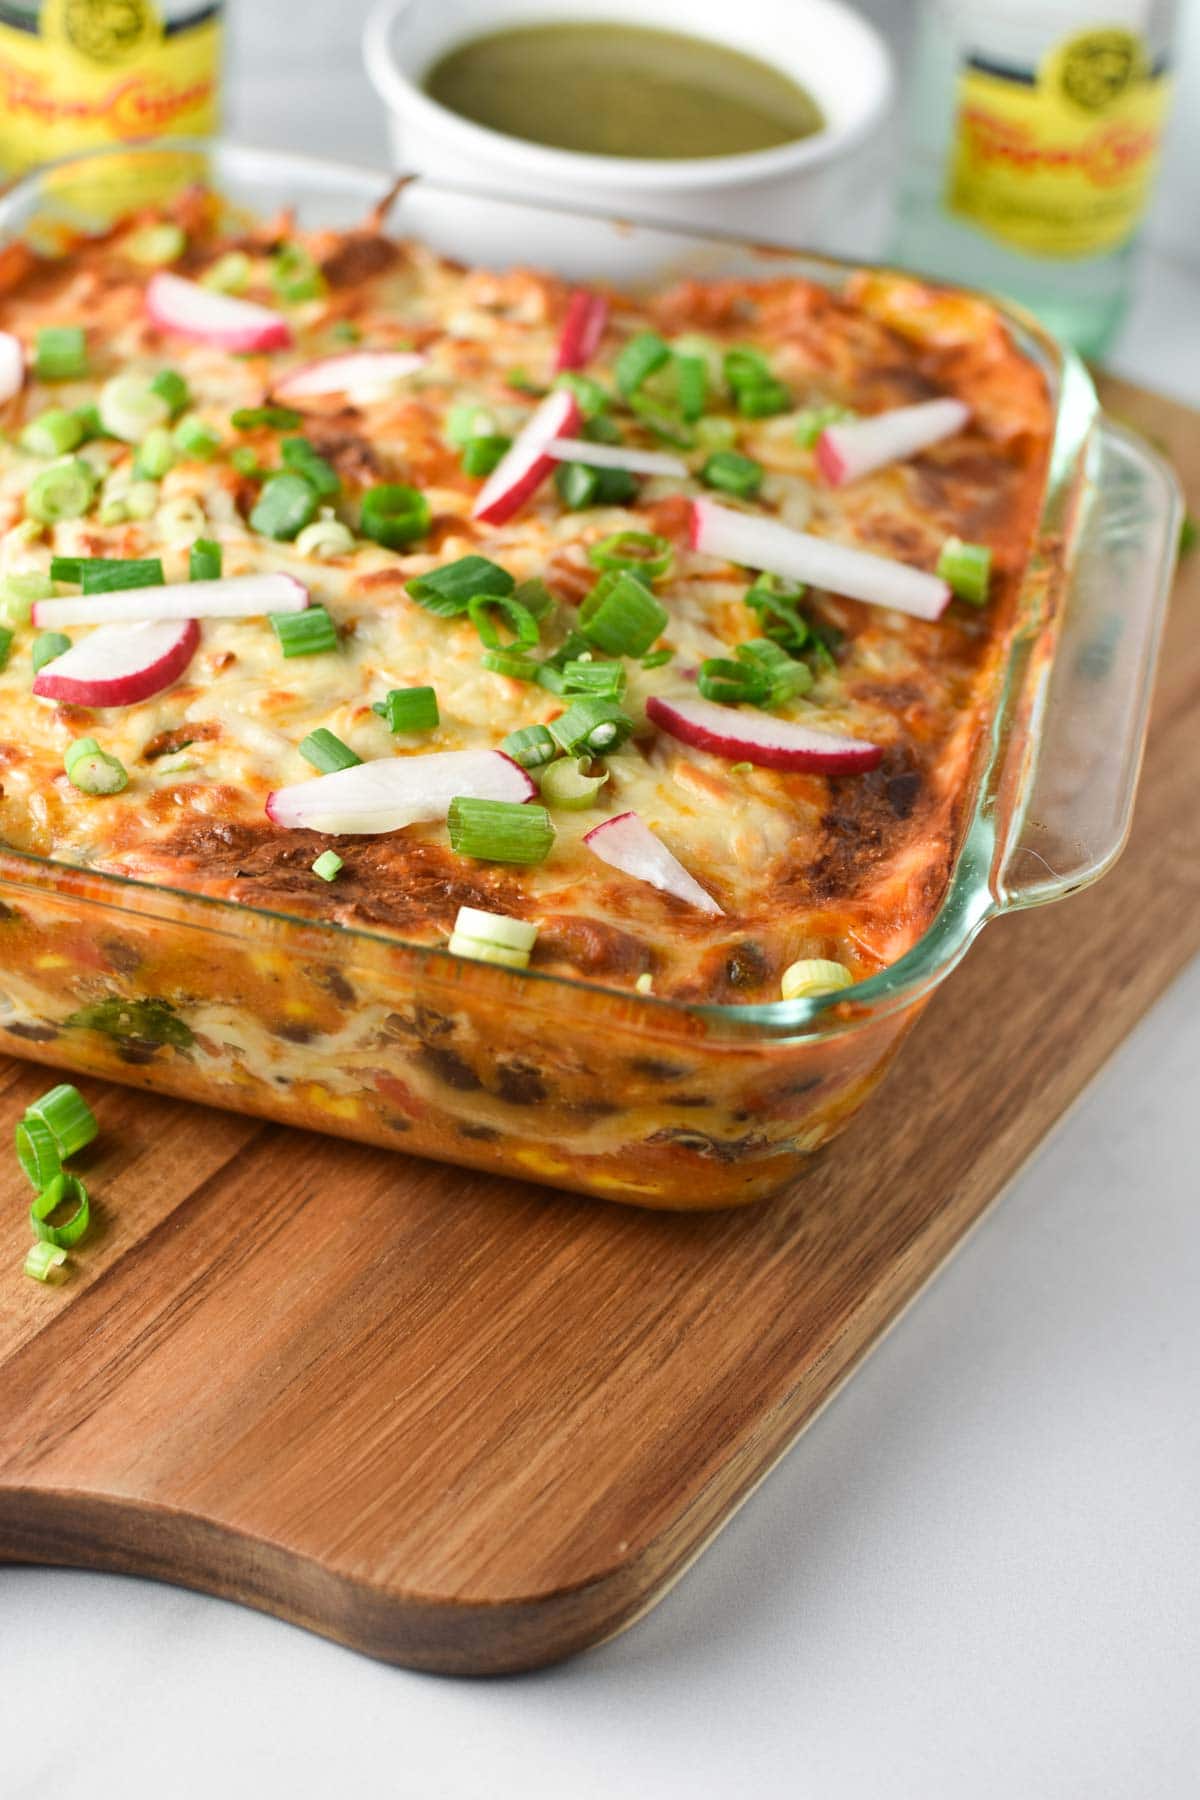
<point x="473" y="1426"/>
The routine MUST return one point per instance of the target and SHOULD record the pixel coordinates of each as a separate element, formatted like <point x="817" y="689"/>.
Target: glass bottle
<point x="89" y="74"/>
<point x="1034" y="130"/>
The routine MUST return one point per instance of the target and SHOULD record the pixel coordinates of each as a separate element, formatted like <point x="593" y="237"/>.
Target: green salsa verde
<point x="622" y="90"/>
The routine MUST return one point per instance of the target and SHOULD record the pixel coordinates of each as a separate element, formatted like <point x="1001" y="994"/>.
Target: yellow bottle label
<point x="1061" y="165"/>
<point x="89" y="74"/>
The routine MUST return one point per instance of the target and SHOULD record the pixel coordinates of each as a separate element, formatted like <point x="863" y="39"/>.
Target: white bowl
<point x="800" y="192"/>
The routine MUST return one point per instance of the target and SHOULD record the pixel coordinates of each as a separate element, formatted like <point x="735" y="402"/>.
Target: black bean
<point x="520" y="1084"/>
<point x="449" y="1067"/>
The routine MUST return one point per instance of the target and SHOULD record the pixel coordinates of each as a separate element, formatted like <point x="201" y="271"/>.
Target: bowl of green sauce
<point x="739" y="116"/>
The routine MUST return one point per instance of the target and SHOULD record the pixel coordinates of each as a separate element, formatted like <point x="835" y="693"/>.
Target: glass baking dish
<point x="625" y="1096"/>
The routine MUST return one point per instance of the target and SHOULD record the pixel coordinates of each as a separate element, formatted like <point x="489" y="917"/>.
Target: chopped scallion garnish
<point x="129" y="408"/>
<point x="532" y="746"/>
<point x="306" y="633"/>
<point x="733" y="473"/>
<point x="67" y="1116"/>
<point x="621" y="616"/>
<point x="156" y="245"/>
<point x="62" y="1189"/>
<point x="273" y="418"/>
<point x="204" y="560"/>
<point x="60" y="353"/>
<point x="6" y="639"/>
<point x="483" y="454"/>
<point x="449" y="591"/>
<point x="328" y="865"/>
<point x="194" y="438"/>
<point x="170" y="386"/>
<point x="591" y="725"/>
<point x="691" y="382"/>
<point x="516" y="664"/>
<point x="46" y="646"/>
<point x="492" y="937"/>
<point x="295" y="276"/>
<point x="520" y="620"/>
<point x="567" y="783"/>
<point x="326" y="752"/>
<point x="644" y="552"/>
<point x="155" y="455"/>
<point x="92" y="770"/>
<point x="44" y="1260"/>
<point x="812" y="422"/>
<point x="52" y="433"/>
<point x="657" y="659"/>
<point x="394" y="515"/>
<point x="591" y="396"/>
<point x="287" y="504"/>
<point x="606" y="679"/>
<point x="305" y="459"/>
<point x="500" y="830"/>
<point x="967" y="569"/>
<point x="230" y="274"/>
<point x="108" y="574"/>
<point x="814" y="975"/>
<point x="37" y="1151"/>
<point x="409" y="709"/>
<point x="639" y="358"/>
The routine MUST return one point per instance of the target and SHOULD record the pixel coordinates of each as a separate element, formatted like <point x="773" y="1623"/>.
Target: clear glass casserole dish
<point x="629" y="1097"/>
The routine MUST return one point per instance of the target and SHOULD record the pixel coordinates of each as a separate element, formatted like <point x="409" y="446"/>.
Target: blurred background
<point x="294" y="78"/>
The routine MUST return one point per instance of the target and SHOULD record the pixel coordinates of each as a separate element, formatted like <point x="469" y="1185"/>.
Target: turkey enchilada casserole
<point x="646" y="642"/>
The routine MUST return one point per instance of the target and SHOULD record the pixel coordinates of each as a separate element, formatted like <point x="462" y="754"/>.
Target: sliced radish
<point x="524" y="466"/>
<point x="120" y="664"/>
<point x="626" y="843"/>
<point x="12" y="366"/>
<point x="357" y="372"/>
<point x="583" y="327"/>
<point x="617" y="456"/>
<point x="758" y="738"/>
<point x="396" y="791"/>
<point x="760" y="543"/>
<point x="858" y="446"/>
<point x="233" y="597"/>
<point x="198" y="312"/>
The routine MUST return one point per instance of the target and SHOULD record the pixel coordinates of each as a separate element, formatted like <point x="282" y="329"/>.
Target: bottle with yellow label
<point x="96" y="74"/>
<point x="1035" y="128"/>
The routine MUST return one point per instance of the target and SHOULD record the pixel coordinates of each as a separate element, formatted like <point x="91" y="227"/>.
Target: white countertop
<point x="974" y="1579"/>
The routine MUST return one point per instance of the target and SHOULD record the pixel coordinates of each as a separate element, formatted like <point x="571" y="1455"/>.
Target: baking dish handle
<point x="1094" y="712"/>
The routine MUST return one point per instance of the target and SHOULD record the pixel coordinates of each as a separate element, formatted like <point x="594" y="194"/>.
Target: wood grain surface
<point x="472" y="1426"/>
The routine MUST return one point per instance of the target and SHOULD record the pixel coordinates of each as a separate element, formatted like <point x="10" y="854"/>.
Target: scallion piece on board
<point x="638" y="359"/>
<point x="621" y="616"/>
<point x="306" y="633"/>
<point x="327" y="752"/>
<point x="449" y="591"/>
<point x="204" y="560"/>
<point x="43" y="1260"/>
<point x="67" y="1115"/>
<point x="500" y="830"/>
<point x="37" y="1151"/>
<point x="409" y="709"/>
<point x="328" y="865"/>
<point x="46" y="646"/>
<point x="532" y="746"/>
<point x="60" y="353"/>
<point x="394" y="515"/>
<point x="92" y="770"/>
<point x="967" y="568"/>
<point x="61" y="1190"/>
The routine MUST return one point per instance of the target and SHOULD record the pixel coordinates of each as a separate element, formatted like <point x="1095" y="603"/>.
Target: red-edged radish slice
<point x="627" y="843"/>
<point x="526" y="464"/>
<point x="858" y="446"/>
<point x="12" y="366"/>
<point x="233" y="597"/>
<point x="397" y="791"/>
<point x="120" y="664"/>
<point x="363" y="372"/>
<point x="758" y="738"/>
<point x="617" y="456"/>
<point x="583" y="327"/>
<point x="175" y="304"/>
<point x="759" y="543"/>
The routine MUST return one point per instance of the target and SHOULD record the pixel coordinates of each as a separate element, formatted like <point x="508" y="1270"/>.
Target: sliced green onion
<point x="90" y="423"/>
<point x="468" y="420"/>
<point x="607" y="679"/>
<point x="733" y="473"/>
<point x="522" y="382"/>
<point x="170" y="386"/>
<point x="270" y="418"/>
<point x="647" y="554"/>
<point x="92" y="770"/>
<point x="580" y="485"/>
<point x="637" y="359"/>
<point x="37" y="1151"/>
<point x="325" y="538"/>
<point x="294" y="275"/>
<point x="52" y="433"/>
<point x="716" y="433"/>
<point x="394" y="515"/>
<point x="732" y="683"/>
<point x="514" y="663"/>
<point x="814" y="975"/>
<point x="129" y="408"/>
<point x="60" y="353"/>
<point x="305" y="459"/>
<point x="745" y="368"/>
<point x="621" y="616"/>
<point x="194" y="438"/>
<point x="669" y="426"/>
<point x="592" y="725"/>
<point x="449" y="590"/>
<point x="62" y="1189"/>
<point x="156" y="245"/>
<point x="566" y="783"/>
<point x="204" y="560"/>
<point x="535" y="597"/>
<point x="549" y="672"/>
<point x="287" y="503"/>
<point x="107" y="574"/>
<point x="409" y="709"/>
<point x="776" y="609"/>
<point x="46" y="646"/>
<point x="691" y="381"/>
<point x="764" y="400"/>
<point x="483" y="454"/>
<point x="814" y="419"/>
<point x="519" y="618"/>
<point x="967" y="568"/>
<point x="532" y="746"/>
<point x="500" y="830"/>
<point x="329" y="864"/>
<point x="492" y="937"/>
<point x="327" y="752"/>
<point x="230" y="274"/>
<point x="43" y="1260"/>
<point x="306" y="633"/>
<point x="6" y="641"/>
<point x="592" y="398"/>
<point x="244" y="459"/>
<point x="657" y="659"/>
<point x="18" y="593"/>
<point x="155" y="455"/>
<point x="785" y="677"/>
